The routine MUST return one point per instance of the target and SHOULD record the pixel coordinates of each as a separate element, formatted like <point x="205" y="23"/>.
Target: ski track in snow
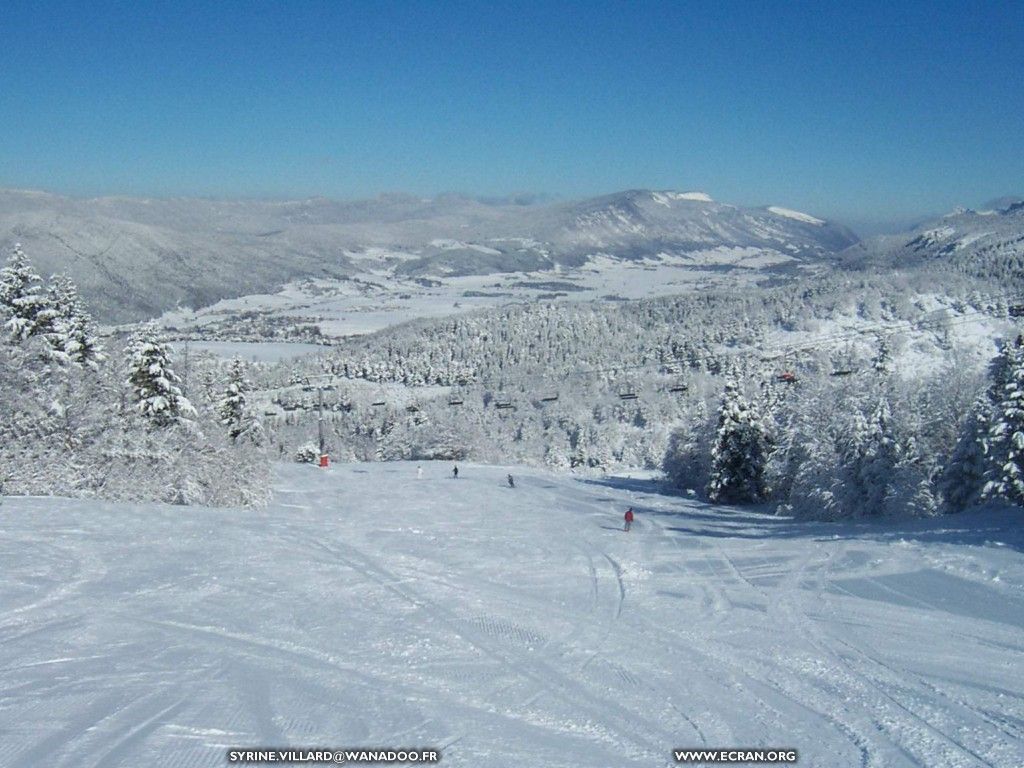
<point x="506" y="626"/>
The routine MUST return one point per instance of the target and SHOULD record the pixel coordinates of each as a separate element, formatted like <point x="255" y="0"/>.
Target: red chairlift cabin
<point x="786" y="377"/>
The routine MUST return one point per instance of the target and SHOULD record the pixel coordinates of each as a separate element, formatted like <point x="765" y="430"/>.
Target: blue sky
<point x="857" y="110"/>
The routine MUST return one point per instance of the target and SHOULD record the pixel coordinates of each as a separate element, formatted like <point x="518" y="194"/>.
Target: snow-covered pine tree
<point x="1006" y="434"/>
<point x="868" y="463"/>
<point x="882" y="360"/>
<point x="154" y="384"/>
<point x="26" y="308"/>
<point x="963" y="477"/>
<point x="740" y="452"/>
<point x="233" y="408"/>
<point x="74" y="332"/>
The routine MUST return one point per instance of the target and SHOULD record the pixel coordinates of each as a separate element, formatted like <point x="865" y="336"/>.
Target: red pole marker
<point x="325" y="461"/>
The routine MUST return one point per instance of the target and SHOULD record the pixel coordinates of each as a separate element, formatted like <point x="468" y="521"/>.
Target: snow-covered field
<point x="382" y="299"/>
<point x="505" y="626"/>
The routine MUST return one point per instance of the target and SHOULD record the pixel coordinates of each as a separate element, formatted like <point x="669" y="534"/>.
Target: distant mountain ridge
<point x="137" y="257"/>
<point x="987" y="244"/>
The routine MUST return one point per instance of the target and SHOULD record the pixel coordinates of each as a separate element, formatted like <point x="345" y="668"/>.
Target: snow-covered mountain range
<point x="135" y="257"/>
<point x="987" y="243"/>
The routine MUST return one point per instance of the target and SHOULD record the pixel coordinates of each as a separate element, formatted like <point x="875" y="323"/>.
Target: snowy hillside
<point x="985" y="244"/>
<point x="503" y="626"/>
<point x="136" y="257"/>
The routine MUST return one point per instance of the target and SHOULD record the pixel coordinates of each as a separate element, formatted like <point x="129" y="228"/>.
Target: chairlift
<point x="455" y="400"/>
<point x="549" y="397"/>
<point x="842" y="372"/>
<point x="379" y="402"/>
<point x="412" y="408"/>
<point x="679" y="387"/>
<point x="1016" y="310"/>
<point x="503" y="402"/>
<point x="628" y="394"/>
<point x="786" y="377"/>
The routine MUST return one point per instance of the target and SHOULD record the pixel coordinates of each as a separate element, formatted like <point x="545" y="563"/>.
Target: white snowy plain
<point x="505" y="626"/>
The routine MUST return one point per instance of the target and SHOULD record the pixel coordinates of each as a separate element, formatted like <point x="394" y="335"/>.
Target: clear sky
<point x="858" y="110"/>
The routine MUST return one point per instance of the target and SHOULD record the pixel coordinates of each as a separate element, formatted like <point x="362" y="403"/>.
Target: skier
<point x="629" y="519"/>
<point x="419" y="473"/>
<point x="511" y="482"/>
<point x="455" y="471"/>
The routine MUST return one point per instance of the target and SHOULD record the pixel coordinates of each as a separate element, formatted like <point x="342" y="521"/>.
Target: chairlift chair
<point x="842" y="372"/>
<point x="627" y="394"/>
<point x="503" y="402"/>
<point x="549" y="397"/>
<point x="786" y="377"/>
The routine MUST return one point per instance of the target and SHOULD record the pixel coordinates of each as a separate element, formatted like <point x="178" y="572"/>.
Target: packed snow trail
<point x="507" y="626"/>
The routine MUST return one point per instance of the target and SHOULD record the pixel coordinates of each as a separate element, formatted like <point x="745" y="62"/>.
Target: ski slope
<point x="505" y="626"/>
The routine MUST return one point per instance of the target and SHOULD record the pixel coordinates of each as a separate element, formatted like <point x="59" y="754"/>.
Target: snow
<point x="506" y="627"/>
<point x="261" y="351"/>
<point x="447" y="244"/>
<point x="797" y="215"/>
<point x="937" y="234"/>
<point x="702" y="197"/>
<point x="664" y="198"/>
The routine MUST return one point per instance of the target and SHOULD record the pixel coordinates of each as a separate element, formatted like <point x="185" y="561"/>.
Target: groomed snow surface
<point x="509" y="627"/>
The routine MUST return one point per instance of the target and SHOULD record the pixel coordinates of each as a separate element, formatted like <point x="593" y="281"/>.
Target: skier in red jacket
<point x="629" y="519"/>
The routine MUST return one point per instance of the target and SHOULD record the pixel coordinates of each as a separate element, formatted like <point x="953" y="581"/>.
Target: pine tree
<point x="154" y="384"/>
<point x="740" y="452"/>
<point x="882" y="360"/>
<point x="234" y="408"/>
<point x="28" y="309"/>
<point x="74" y="332"/>
<point x="963" y="478"/>
<point x="868" y="463"/>
<point x="1006" y="434"/>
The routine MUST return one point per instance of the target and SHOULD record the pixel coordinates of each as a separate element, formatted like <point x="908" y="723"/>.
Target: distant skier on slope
<point x="419" y="473"/>
<point x="455" y="471"/>
<point x="511" y="482"/>
<point x="629" y="519"/>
